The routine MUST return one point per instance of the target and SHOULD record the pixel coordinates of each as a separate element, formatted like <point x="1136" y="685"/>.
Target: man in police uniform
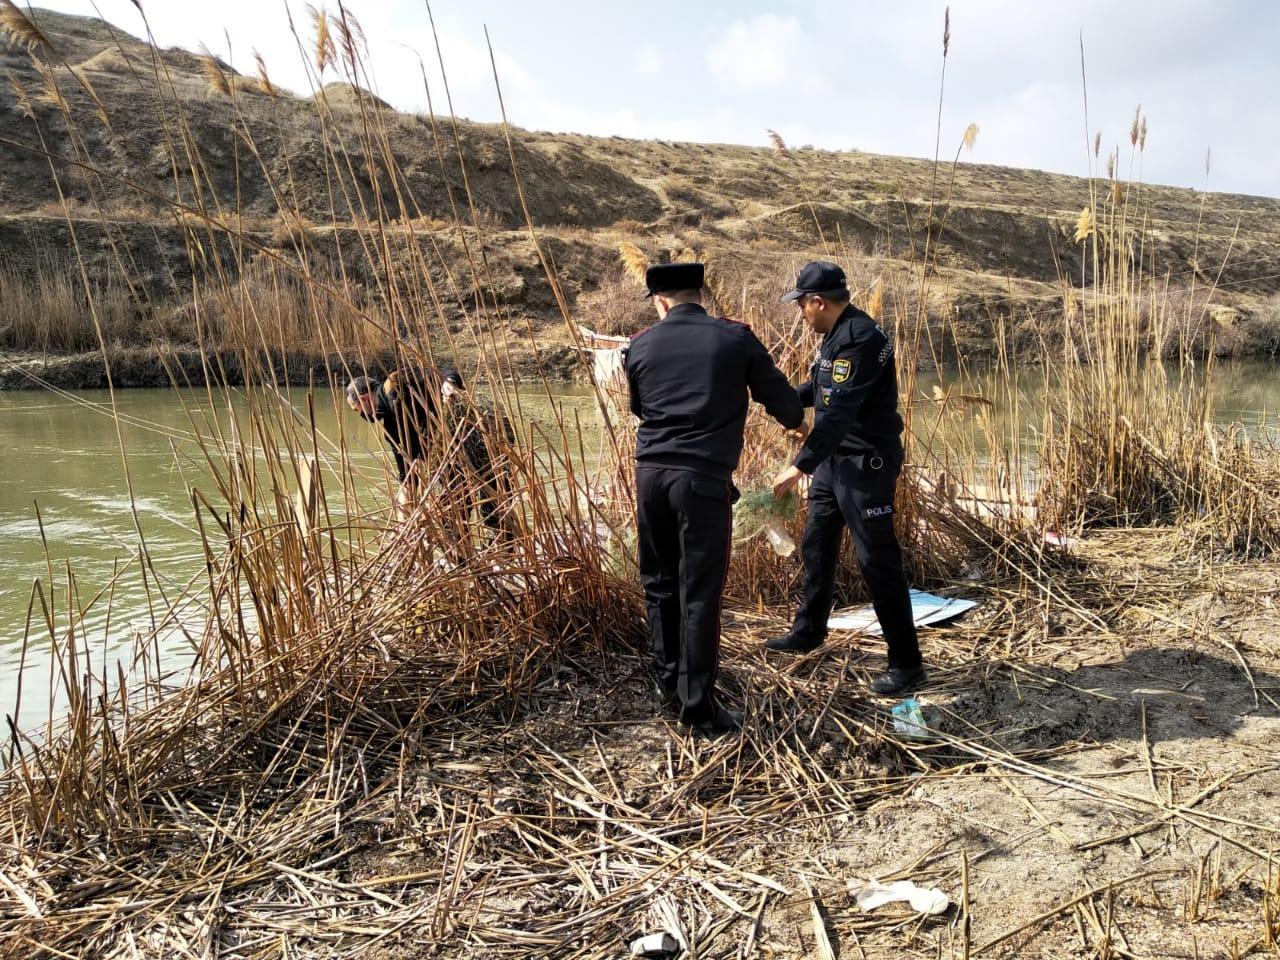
<point x="854" y="455"/>
<point x="689" y="378"/>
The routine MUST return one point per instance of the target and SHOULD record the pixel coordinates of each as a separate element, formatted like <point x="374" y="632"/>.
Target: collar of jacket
<point x="682" y="311"/>
<point x="848" y="312"/>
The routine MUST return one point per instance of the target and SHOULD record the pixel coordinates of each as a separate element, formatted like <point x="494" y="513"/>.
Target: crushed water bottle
<point x="908" y="719"/>
<point x="779" y="539"/>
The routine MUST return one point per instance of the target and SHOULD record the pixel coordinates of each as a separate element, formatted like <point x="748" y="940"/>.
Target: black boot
<point x="668" y="697"/>
<point x="897" y="680"/>
<point x="722" y="720"/>
<point x="790" y="643"/>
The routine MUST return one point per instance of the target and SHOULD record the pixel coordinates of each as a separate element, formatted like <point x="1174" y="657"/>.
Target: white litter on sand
<point x="870" y="894"/>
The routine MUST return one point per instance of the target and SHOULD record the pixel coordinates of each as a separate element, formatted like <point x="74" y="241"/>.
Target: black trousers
<point x="857" y="492"/>
<point x="685" y="523"/>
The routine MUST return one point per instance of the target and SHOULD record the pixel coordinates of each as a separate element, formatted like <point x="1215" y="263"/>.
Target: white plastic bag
<point x="872" y="893"/>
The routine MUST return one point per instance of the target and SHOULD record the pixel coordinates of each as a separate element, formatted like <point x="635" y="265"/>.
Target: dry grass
<point x="1132" y="440"/>
<point x="44" y="308"/>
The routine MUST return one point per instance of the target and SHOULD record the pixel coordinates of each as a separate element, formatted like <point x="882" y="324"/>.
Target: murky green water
<point x="61" y="454"/>
<point x="64" y="500"/>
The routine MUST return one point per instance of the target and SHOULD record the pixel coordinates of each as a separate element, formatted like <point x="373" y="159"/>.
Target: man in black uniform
<point x="480" y="432"/>
<point x="408" y="404"/>
<point x="403" y="406"/>
<point x="854" y="454"/>
<point x="689" y="378"/>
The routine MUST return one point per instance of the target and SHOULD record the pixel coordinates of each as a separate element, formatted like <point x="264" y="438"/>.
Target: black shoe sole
<point x="709" y="732"/>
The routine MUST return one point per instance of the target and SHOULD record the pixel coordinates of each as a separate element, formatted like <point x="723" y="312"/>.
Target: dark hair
<point x="450" y="375"/>
<point x="361" y="386"/>
<point x="837" y="296"/>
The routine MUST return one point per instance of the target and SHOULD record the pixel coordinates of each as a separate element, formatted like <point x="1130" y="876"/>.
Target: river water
<point x="64" y="500"/>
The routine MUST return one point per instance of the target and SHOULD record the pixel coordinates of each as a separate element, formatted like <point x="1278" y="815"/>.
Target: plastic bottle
<point x="779" y="539"/>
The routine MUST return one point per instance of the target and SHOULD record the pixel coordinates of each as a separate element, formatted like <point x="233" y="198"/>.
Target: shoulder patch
<point x="840" y="371"/>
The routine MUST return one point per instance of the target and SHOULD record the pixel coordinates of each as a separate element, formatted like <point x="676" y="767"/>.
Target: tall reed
<point x="1132" y="440"/>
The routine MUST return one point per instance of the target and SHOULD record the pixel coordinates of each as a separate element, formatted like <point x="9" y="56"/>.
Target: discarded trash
<point x="873" y="893"/>
<point x="926" y="608"/>
<point x="655" y="945"/>
<point x="781" y="541"/>
<point x="908" y="719"/>
<point x="1055" y="539"/>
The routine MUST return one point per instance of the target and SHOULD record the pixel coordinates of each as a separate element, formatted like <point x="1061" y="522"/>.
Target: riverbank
<point x="187" y="366"/>
<point x="181" y="365"/>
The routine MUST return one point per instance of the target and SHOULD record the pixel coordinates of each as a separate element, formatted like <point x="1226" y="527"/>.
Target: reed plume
<point x="1085" y="225"/>
<point x="213" y="73"/>
<point x="20" y="29"/>
<point x="351" y="36"/>
<point x="779" y="145"/>
<point x="875" y="301"/>
<point x="325" y="50"/>
<point x="264" y="80"/>
<point x="634" y="262"/>
<point x="50" y="92"/>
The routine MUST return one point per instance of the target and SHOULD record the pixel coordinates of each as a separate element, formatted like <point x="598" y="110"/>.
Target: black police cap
<point x="818" y="276"/>
<point x="673" y="276"/>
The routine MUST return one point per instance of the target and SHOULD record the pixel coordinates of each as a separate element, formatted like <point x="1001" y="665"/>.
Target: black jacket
<point x="689" y="378"/>
<point x="853" y="388"/>
<point x="408" y="407"/>
<point x="404" y="406"/>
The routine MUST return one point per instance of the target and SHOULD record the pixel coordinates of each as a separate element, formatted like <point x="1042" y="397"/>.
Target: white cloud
<point x="767" y="51"/>
<point x="649" y="61"/>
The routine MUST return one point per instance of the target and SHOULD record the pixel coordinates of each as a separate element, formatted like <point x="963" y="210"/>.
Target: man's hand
<point x="800" y="432"/>
<point x="784" y="481"/>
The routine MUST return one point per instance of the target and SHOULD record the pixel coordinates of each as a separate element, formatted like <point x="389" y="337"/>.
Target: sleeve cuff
<point x="807" y="461"/>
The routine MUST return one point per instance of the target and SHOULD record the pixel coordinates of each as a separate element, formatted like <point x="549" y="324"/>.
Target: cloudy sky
<point x="833" y="73"/>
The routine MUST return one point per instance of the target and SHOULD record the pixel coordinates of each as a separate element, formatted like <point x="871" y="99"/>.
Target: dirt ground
<point x="1108" y="794"/>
